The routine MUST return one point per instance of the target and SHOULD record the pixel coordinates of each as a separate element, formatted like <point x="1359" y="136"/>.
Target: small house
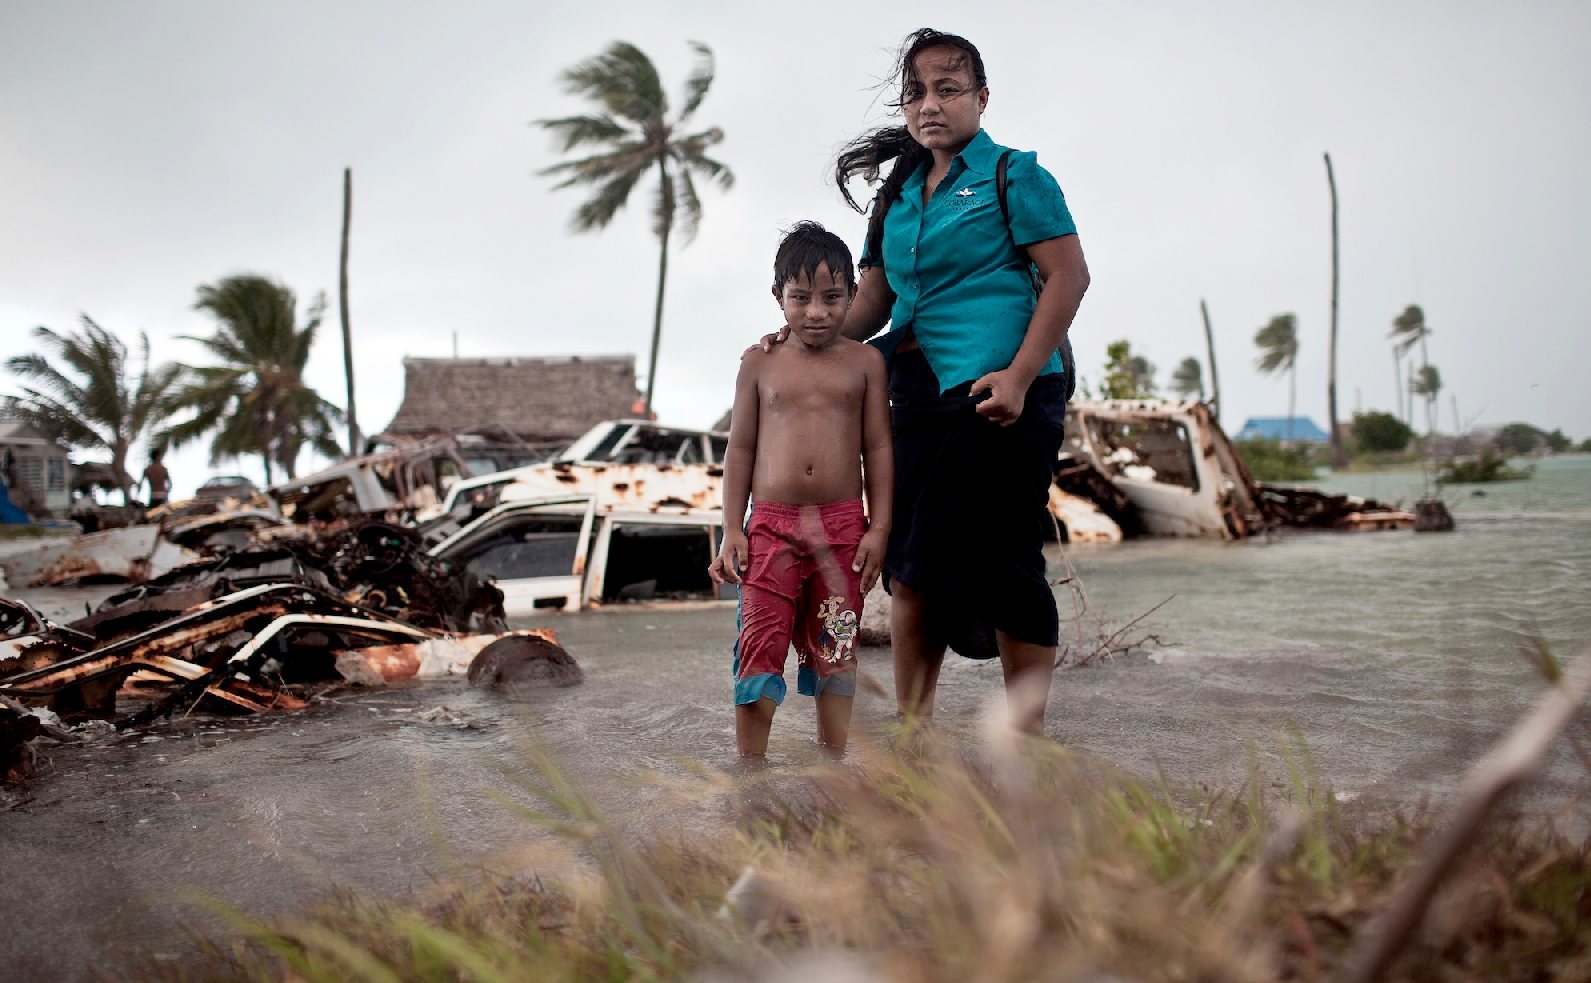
<point x="1297" y="430"/>
<point x="35" y="469"/>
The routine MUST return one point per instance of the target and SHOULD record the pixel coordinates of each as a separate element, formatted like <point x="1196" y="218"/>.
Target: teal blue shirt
<point x="961" y="286"/>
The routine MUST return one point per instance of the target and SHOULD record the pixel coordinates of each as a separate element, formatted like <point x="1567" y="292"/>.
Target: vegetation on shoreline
<point x="1274" y="460"/>
<point x="919" y="859"/>
<point x="1488" y="467"/>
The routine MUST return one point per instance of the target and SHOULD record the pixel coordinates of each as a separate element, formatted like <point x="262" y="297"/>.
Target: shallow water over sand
<point x="1395" y="655"/>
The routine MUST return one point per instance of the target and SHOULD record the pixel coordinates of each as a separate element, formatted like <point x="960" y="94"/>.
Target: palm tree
<point x="1127" y="376"/>
<point x="1409" y="329"/>
<point x="1427" y="382"/>
<point x="1278" y="344"/>
<point x="255" y="400"/>
<point x="1188" y="378"/>
<point x="633" y="135"/>
<point x="93" y="400"/>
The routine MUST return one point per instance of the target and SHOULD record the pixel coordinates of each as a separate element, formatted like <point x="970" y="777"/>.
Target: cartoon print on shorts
<point x="839" y="630"/>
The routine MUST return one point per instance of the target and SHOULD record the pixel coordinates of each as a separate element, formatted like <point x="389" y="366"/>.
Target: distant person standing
<point x="157" y="478"/>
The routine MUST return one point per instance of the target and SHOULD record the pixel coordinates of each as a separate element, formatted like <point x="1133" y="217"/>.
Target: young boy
<point x="810" y="421"/>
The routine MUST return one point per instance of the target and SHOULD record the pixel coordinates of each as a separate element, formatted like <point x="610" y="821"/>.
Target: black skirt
<point x="971" y="510"/>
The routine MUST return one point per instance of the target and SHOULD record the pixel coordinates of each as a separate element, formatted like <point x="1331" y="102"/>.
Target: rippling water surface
<point x="1394" y="655"/>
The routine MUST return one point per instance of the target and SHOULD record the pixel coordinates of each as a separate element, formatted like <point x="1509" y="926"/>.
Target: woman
<point x="977" y="390"/>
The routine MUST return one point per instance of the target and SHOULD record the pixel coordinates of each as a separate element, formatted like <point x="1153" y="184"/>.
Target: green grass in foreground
<point x="921" y="862"/>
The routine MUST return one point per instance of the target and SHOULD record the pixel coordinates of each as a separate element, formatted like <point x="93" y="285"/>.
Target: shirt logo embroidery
<point x="965" y="193"/>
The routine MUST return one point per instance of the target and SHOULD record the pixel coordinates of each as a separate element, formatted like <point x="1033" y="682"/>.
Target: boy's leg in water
<point x="1028" y="669"/>
<point x="753" y="721"/>
<point x="834" y="720"/>
<point x="917" y="652"/>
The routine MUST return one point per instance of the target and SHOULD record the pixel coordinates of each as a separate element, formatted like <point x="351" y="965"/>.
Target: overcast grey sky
<point x="148" y="147"/>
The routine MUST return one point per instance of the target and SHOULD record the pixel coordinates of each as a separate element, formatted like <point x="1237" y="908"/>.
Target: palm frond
<point x="577" y="131"/>
<point x="691" y="153"/>
<point x="1273" y="362"/>
<point x="1426" y="381"/>
<point x="690" y="209"/>
<point x="600" y="167"/>
<point x="58" y="421"/>
<point x="304" y="339"/>
<point x="1408" y="329"/>
<point x="700" y="80"/>
<point x="1278" y="344"/>
<point x="1188" y="378"/>
<point x="624" y="80"/>
<point x="37" y="369"/>
<point x="598" y="210"/>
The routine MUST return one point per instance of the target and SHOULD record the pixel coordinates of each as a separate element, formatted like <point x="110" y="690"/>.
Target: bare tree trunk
<point x="1397" y="381"/>
<point x="1292" y="393"/>
<point x="1339" y="456"/>
<point x="662" y="276"/>
<point x="342" y="305"/>
<point x="1209" y="348"/>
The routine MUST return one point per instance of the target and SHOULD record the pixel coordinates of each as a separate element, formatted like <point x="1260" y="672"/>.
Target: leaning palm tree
<point x="90" y="395"/>
<point x="1427" y="382"/>
<point x="1409" y="329"/>
<point x="1278" y="344"/>
<point x="1188" y="378"/>
<point x="633" y="135"/>
<point x="255" y="400"/>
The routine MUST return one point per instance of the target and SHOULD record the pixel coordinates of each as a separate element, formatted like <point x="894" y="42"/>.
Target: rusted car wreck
<point x="1161" y="468"/>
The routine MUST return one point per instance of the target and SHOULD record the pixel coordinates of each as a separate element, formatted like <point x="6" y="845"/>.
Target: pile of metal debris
<point x="254" y="627"/>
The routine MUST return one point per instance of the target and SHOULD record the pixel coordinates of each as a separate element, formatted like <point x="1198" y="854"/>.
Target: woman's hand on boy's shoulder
<point x="768" y="341"/>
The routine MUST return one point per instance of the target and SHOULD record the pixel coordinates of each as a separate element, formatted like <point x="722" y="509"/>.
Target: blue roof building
<point x="1275" y="428"/>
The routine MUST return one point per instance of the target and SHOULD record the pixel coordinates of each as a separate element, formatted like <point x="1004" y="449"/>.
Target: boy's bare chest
<point x="814" y="386"/>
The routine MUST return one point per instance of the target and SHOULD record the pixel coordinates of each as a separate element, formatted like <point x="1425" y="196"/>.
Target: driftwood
<point x="1512" y="761"/>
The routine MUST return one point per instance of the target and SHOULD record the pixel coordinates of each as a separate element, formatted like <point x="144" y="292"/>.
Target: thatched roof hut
<point x="535" y="399"/>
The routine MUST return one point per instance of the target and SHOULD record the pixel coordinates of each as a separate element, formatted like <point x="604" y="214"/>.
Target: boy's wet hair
<point x="803" y="248"/>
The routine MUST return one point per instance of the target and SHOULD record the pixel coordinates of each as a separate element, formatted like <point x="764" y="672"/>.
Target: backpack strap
<point x="1000" y="168"/>
<point x="1068" y="361"/>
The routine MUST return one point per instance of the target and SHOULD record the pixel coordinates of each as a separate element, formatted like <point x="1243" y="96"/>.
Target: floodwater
<point x="1394" y="655"/>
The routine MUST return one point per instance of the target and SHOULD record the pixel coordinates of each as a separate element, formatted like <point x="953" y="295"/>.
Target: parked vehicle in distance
<point x="227" y="486"/>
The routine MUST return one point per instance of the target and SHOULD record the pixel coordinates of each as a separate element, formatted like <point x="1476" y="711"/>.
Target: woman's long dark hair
<point x="868" y="153"/>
